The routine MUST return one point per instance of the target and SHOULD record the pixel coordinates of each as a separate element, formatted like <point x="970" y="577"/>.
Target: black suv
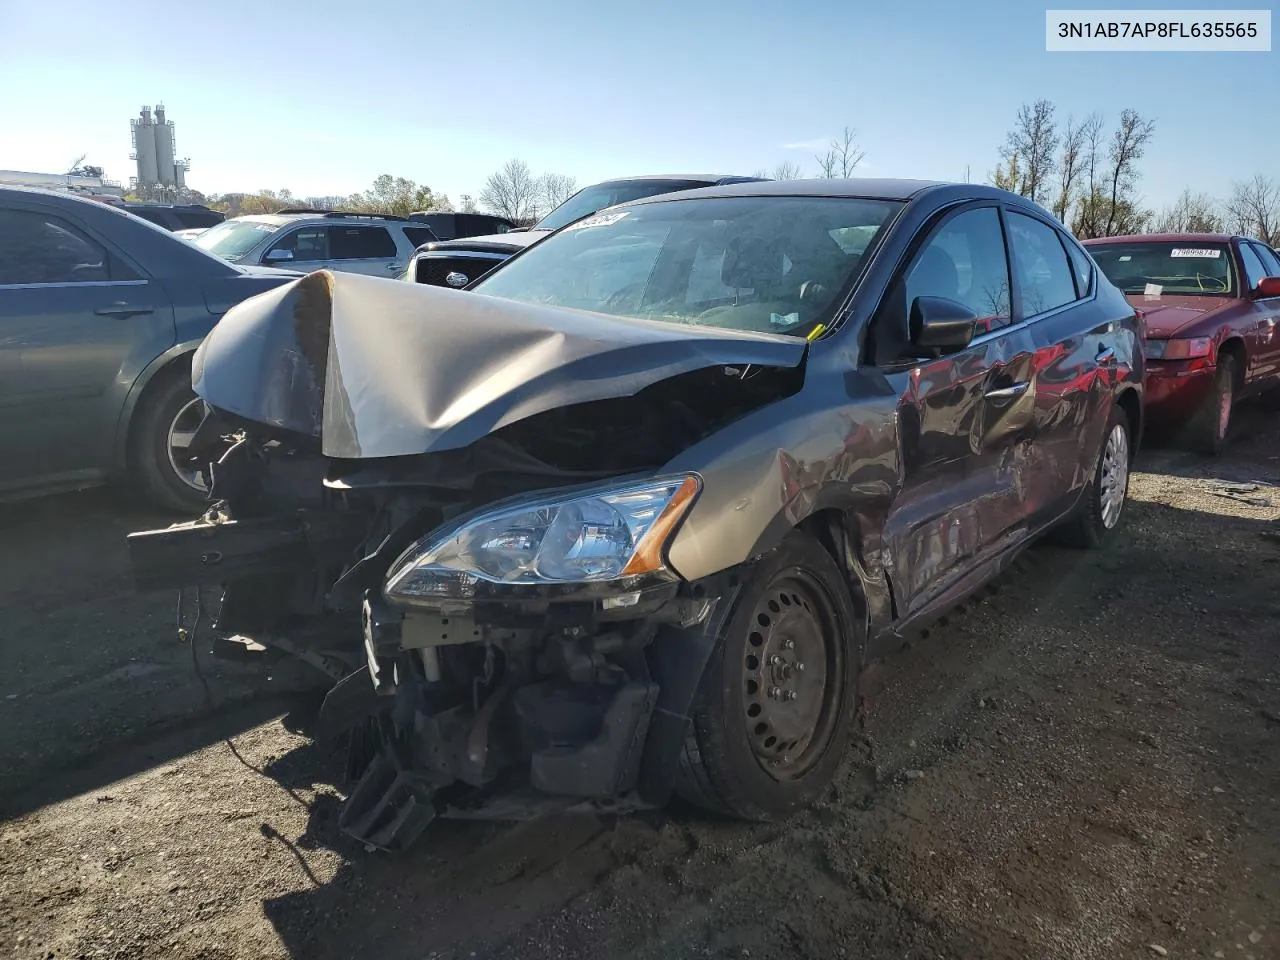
<point x="455" y="263"/>
<point x="176" y="216"/>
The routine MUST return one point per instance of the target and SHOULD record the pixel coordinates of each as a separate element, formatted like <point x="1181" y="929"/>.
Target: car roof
<point x="17" y="192"/>
<point x="1163" y="238"/>
<point x="699" y="177"/>
<point x="860" y="188"/>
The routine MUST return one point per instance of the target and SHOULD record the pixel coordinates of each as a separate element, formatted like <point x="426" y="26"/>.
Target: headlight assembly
<point x="597" y="536"/>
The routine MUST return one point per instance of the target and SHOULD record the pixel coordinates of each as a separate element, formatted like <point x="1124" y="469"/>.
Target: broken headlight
<point x="592" y="537"/>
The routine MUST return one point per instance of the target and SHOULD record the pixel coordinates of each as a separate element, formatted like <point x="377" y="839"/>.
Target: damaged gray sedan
<point x="628" y="516"/>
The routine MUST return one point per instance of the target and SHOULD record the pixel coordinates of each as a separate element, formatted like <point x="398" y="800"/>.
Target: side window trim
<point x="1071" y="245"/>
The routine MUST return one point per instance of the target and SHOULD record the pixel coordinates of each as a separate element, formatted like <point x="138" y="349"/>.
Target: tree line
<point x="1087" y="175"/>
<point x="1083" y="170"/>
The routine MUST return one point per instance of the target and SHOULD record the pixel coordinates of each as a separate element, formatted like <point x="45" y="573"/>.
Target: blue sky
<point x="322" y="96"/>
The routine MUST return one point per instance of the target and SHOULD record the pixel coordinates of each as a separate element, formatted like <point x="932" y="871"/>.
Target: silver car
<point x="375" y="244"/>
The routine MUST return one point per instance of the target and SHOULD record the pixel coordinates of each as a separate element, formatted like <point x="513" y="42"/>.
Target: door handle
<point x="1106" y="356"/>
<point x="1009" y="392"/>
<point x="122" y="309"/>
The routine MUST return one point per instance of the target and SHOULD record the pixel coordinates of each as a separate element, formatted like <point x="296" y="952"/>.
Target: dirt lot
<point x="1084" y="763"/>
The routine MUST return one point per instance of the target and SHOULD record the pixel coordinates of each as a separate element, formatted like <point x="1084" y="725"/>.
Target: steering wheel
<point x="1220" y="285"/>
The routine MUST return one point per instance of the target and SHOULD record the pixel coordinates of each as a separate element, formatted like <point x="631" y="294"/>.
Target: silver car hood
<point x="381" y="368"/>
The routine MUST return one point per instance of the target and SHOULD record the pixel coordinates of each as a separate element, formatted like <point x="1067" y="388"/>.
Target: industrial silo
<point x="144" y="147"/>
<point x="164" y="147"/>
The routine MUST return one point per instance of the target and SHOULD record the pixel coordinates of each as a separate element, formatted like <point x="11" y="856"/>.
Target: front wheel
<point x="775" y="703"/>
<point x="1103" y="502"/>
<point x="1211" y="424"/>
<point x="161" y="433"/>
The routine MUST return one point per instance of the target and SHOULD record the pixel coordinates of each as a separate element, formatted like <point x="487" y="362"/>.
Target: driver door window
<point x="37" y="248"/>
<point x="965" y="261"/>
<point x="1253" y="269"/>
<point x="306" y="244"/>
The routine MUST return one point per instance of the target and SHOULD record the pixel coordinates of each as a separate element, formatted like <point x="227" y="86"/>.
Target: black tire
<point x="1211" y="425"/>
<point x="726" y="766"/>
<point x="1091" y="523"/>
<point x="162" y="485"/>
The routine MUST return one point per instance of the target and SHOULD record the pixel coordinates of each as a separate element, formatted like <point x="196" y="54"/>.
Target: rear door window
<point x="360" y="243"/>
<point x="417" y="236"/>
<point x="1046" y="279"/>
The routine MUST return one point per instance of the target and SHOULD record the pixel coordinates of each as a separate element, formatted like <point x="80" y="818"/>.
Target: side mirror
<point x="1269" y="287"/>
<point x="937" y="323"/>
<point x="278" y="256"/>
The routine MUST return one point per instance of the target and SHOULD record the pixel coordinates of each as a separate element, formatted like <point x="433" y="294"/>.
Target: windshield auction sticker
<point x="1153" y="31"/>
<point x="1196" y="253"/>
<point x="599" y="220"/>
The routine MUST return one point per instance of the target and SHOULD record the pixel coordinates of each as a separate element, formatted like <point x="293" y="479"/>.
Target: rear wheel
<point x="773" y="710"/>
<point x="1209" y="428"/>
<point x="161" y="433"/>
<point x="1103" y="502"/>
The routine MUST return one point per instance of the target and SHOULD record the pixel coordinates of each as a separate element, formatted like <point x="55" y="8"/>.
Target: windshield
<point x="602" y="195"/>
<point x="768" y="264"/>
<point x="232" y="239"/>
<point x="1164" y="267"/>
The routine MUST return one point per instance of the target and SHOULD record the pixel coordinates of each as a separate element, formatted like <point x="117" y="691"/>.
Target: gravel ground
<point x="1083" y="763"/>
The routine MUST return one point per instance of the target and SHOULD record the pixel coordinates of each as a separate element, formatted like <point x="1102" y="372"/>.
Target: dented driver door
<point x="966" y="421"/>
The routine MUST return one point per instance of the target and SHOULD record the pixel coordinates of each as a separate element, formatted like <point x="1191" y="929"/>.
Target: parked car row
<point x="627" y="517"/>
<point x="623" y="511"/>
<point x="1211" y="303"/>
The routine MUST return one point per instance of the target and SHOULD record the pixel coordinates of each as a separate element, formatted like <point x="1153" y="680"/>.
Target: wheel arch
<point x="173" y="362"/>
<point x="1234" y="346"/>
<point x="1131" y="403"/>
<point x="842" y="531"/>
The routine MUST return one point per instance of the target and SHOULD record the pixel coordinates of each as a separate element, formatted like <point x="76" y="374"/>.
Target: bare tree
<point x="1254" y="208"/>
<point x="1128" y="142"/>
<point x="842" y="157"/>
<point x="1088" y="215"/>
<point x="1008" y="177"/>
<point x="783" y="171"/>
<point x="468" y="204"/>
<point x="512" y="192"/>
<point x="1074" y="143"/>
<point x="1190" y="213"/>
<point x="554" y="189"/>
<point x="1034" y="139"/>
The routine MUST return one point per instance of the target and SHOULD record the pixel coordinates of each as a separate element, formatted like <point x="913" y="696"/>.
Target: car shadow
<point x="97" y="687"/>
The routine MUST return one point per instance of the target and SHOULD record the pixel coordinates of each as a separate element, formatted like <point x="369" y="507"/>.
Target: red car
<point x="1211" y="303"/>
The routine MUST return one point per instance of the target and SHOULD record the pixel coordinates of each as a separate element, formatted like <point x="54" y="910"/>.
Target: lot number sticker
<point x="1194" y="252"/>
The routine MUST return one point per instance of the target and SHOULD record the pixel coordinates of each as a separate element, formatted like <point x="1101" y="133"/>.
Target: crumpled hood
<point x="1165" y="316"/>
<point x="382" y="368"/>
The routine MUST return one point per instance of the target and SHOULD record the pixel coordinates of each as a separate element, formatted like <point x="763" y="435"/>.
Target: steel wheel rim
<point x="1115" y="475"/>
<point x="178" y="441"/>
<point x="792" y="672"/>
